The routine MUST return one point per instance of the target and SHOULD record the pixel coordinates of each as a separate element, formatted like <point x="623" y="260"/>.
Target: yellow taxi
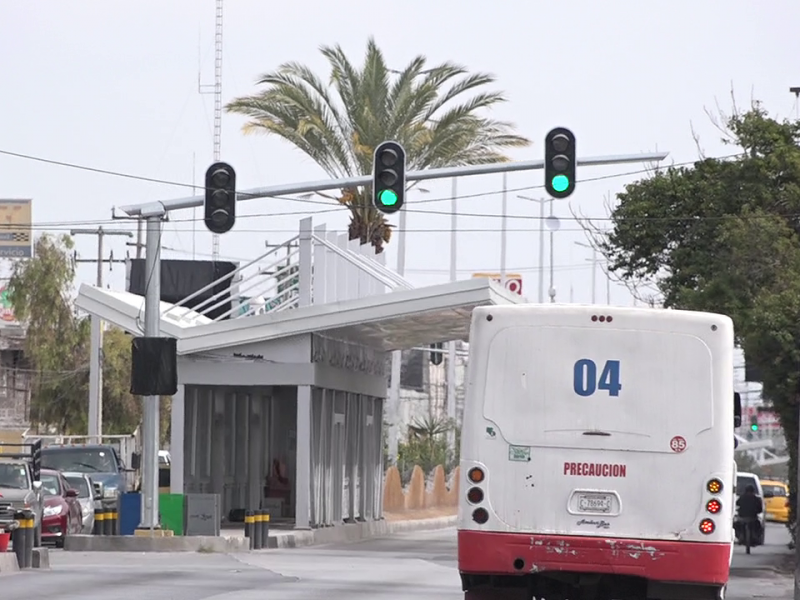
<point x="776" y="500"/>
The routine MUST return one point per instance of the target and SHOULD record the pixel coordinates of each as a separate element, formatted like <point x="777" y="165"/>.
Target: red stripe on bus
<point x="491" y="553"/>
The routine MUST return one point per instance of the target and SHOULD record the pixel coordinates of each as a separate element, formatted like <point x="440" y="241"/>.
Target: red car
<point x="62" y="514"/>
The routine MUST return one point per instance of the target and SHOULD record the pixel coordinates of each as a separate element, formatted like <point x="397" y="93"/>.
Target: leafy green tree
<point x="122" y="411"/>
<point x="423" y="109"/>
<point x="722" y="236"/>
<point x="57" y="346"/>
<point x="55" y="343"/>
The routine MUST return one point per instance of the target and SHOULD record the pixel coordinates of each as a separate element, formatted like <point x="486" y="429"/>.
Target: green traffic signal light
<point x="387" y="198"/>
<point x="754" y="427"/>
<point x="560" y="183"/>
<point x="388" y="177"/>
<point x="559" y="162"/>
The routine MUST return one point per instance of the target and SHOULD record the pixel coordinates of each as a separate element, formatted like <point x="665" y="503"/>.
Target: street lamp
<point x="401" y="238"/>
<point x="595" y="263"/>
<point x="541" y="202"/>
<point x="553" y="224"/>
<point x="594" y="269"/>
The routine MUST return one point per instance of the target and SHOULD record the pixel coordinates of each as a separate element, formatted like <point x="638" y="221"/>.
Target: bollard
<point x="30" y="539"/>
<point x="19" y="538"/>
<point x="257" y="530"/>
<point x="248" y="524"/>
<point x="112" y="520"/>
<point x="99" y="517"/>
<point x="265" y="529"/>
<point x="107" y="522"/>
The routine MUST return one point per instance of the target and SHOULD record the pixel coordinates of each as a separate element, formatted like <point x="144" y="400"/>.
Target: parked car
<point x="89" y="497"/>
<point x="99" y="461"/>
<point x="62" y="511"/>
<point x="776" y="500"/>
<point x="18" y="490"/>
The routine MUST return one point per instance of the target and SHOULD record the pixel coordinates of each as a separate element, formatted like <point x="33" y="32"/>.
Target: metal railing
<point x="274" y="286"/>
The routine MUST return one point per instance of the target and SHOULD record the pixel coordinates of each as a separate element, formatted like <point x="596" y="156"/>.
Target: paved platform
<point x="406" y="566"/>
<point x="233" y="540"/>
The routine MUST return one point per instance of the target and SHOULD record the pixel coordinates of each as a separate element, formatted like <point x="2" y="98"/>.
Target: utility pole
<point x="96" y="359"/>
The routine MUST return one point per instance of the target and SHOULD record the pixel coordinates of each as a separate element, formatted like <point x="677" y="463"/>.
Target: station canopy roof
<point x="392" y="321"/>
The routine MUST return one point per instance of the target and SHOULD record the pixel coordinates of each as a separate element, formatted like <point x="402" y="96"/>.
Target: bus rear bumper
<point x="490" y="553"/>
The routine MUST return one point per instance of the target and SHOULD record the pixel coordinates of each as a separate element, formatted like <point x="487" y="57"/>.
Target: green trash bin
<point x="171" y="508"/>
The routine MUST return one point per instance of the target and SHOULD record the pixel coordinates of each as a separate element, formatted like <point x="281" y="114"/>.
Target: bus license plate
<point x="594" y="503"/>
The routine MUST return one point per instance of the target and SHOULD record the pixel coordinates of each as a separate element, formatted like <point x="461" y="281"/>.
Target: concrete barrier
<point x="132" y="543"/>
<point x="41" y="558"/>
<point x="8" y="563"/>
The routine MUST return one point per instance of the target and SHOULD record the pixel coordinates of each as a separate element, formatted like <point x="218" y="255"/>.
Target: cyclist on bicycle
<point x="749" y="507"/>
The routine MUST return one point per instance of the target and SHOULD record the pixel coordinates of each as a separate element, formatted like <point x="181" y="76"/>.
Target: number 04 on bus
<point x="620" y="482"/>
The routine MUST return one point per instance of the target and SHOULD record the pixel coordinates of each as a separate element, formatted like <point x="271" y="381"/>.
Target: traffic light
<point x="437" y="356"/>
<point x="36" y="460"/>
<point x="559" y="162"/>
<point x="220" y="206"/>
<point x="754" y="423"/>
<point x="389" y="177"/>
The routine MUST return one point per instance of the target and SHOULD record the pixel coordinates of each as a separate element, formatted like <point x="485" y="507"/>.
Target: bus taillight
<point x="714" y="486"/>
<point x="480" y="516"/>
<point x="707" y="526"/>
<point x="475" y="475"/>
<point x="475" y="495"/>
<point x="714" y="506"/>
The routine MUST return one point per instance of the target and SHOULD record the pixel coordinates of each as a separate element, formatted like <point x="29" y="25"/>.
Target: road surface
<point x="418" y="566"/>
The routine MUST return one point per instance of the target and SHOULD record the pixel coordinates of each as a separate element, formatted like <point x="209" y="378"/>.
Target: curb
<point x="354" y="532"/>
<point x="119" y="543"/>
<point x="350" y="532"/>
<point x="8" y="563"/>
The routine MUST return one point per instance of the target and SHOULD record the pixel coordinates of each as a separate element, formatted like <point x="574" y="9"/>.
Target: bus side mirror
<point x="737" y="409"/>
<point x="136" y="461"/>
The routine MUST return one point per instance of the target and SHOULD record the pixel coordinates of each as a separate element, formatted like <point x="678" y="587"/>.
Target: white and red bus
<point x="597" y="454"/>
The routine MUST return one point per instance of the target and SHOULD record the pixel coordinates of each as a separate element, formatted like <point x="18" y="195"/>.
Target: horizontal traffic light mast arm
<point x="154" y="209"/>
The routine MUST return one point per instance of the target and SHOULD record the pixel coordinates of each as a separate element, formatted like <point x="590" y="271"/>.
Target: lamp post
<point x="541" y="202"/>
<point x="553" y="224"/>
<point x="594" y="269"/>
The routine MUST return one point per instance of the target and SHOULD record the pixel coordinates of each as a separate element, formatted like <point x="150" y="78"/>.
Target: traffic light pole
<point x="151" y="408"/>
<point x="154" y="212"/>
<point x="165" y="206"/>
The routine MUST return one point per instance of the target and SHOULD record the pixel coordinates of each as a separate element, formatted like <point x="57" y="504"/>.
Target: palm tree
<point x="339" y="125"/>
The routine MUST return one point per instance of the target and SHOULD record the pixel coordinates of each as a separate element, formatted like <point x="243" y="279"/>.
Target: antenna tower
<point x="216" y="89"/>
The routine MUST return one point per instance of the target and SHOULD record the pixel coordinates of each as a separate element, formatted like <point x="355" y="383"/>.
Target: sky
<point x="114" y="86"/>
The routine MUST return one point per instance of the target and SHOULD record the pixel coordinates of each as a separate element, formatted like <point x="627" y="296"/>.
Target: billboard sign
<point x="513" y="280"/>
<point x="16" y="239"/>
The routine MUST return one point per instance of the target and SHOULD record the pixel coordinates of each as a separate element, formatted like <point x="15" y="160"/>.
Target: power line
<point x="327" y="203"/>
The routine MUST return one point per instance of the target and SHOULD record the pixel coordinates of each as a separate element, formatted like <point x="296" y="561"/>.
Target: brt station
<point x="283" y="365"/>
